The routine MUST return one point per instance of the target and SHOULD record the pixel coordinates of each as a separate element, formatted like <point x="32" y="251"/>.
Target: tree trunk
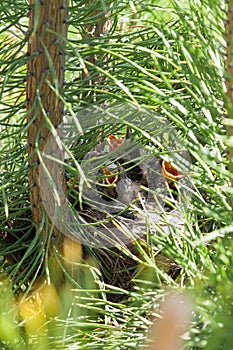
<point x="45" y="71"/>
<point x="99" y="30"/>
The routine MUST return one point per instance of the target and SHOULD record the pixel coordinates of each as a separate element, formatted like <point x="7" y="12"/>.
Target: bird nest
<point x="127" y="199"/>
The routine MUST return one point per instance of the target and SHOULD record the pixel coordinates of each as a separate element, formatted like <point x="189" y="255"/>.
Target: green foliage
<point x="212" y="326"/>
<point x="168" y="58"/>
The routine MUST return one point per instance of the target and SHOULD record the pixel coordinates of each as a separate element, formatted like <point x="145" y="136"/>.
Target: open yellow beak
<point x="170" y="172"/>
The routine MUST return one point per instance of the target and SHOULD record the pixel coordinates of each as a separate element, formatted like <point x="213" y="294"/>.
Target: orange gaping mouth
<point x="114" y="142"/>
<point x="111" y="178"/>
<point x="170" y="172"/>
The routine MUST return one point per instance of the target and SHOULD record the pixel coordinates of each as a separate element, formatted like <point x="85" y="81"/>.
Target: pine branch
<point x="229" y="78"/>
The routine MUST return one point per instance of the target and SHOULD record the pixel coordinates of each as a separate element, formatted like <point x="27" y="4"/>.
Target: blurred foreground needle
<point x="167" y="332"/>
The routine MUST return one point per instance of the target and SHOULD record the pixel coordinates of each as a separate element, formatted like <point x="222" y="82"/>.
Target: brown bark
<point x="99" y="30"/>
<point x="46" y="20"/>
